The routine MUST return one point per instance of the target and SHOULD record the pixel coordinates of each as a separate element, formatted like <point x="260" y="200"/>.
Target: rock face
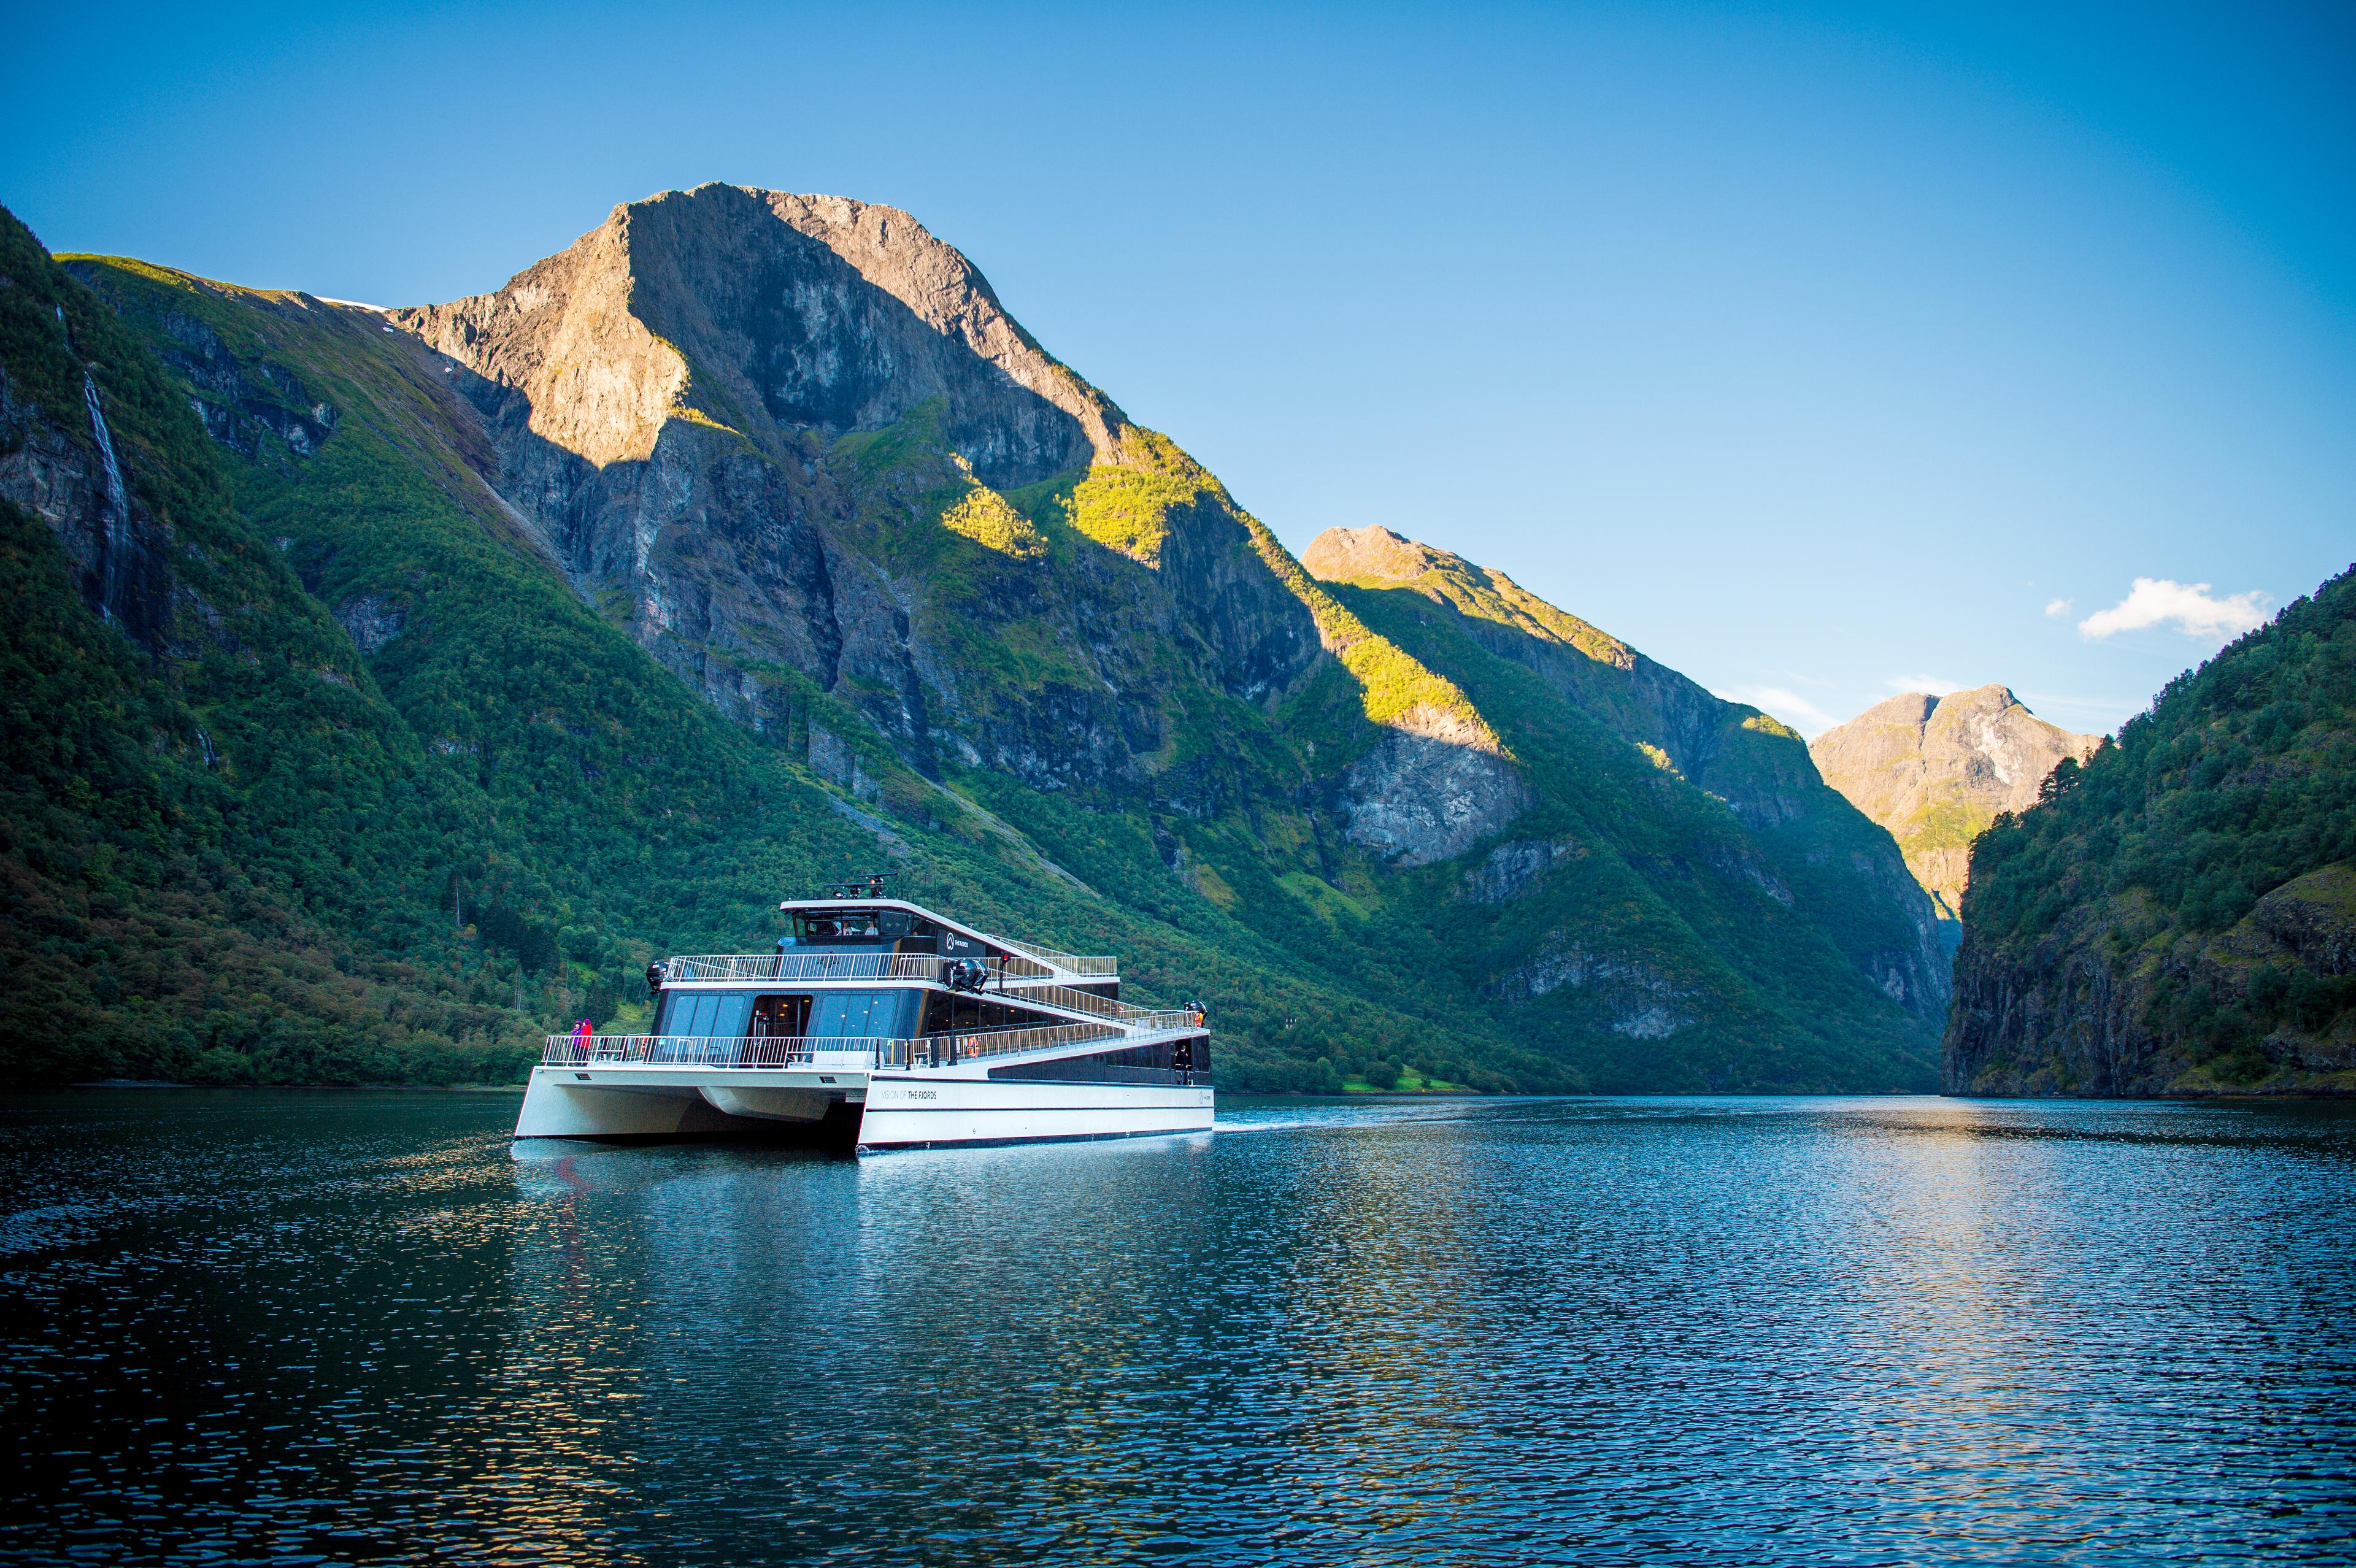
<point x="775" y="314"/>
<point x="1509" y="869"/>
<point x="2262" y="1006"/>
<point x="2178" y="915"/>
<point x="1429" y="793"/>
<point x="666" y="396"/>
<point x="63" y="460"/>
<point x="1936" y="770"/>
<point x="68" y="473"/>
<point x="2313" y="918"/>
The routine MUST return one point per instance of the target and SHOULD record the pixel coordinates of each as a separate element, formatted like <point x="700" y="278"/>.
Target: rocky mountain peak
<point x="1936" y="770"/>
<point x="934" y="279"/>
<point x="596" y="382"/>
<point x="755" y="417"/>
<point x="771" y="314"/>
<point x="1373" y="556"/>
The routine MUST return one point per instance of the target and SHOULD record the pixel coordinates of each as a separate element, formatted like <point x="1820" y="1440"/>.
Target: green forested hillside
<point x="2178" y="914"/>
<point x="400" y="777"/>
<point x="504" y="802"/>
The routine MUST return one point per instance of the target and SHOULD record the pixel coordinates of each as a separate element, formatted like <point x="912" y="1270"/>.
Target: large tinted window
<point x="858" y="1014"/>
<point x="947" y="1013"/>
<point x="722" y="1013"/>
<point x="1138" y="1064"/>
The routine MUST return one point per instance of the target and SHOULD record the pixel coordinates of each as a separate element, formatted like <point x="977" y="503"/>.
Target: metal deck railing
<point x="1082" y="1002"/>
<point x="946" y="1049"/>
<point x="1070" y="963"/>
<point x="1041" y="964"/>
<point x="691" y="1050"/>
<point x="792" y="1050"/>
<point x="758" y="966"/>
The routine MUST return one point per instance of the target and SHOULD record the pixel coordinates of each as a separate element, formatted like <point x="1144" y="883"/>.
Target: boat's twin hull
<point x="846" y="1110"/>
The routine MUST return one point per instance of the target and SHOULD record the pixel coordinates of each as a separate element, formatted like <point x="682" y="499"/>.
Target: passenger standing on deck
<point x="581" y="1036"/>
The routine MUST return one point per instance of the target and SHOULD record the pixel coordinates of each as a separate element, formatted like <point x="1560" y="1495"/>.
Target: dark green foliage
<point x="2201" y="859"/>
<point x="2237" y="780"/>
<point x="194" y="842"/>
<point x="137" y="943"/>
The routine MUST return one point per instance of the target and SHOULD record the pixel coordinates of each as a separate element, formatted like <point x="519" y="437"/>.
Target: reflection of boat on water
<point x="880" y="1023"/>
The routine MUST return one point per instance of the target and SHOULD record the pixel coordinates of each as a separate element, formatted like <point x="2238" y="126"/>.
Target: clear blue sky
<point x="1816" y="351"/>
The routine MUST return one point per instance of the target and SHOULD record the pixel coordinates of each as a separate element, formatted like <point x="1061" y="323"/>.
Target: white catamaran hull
<point x="877" y="1110"/>
<point x="904" y="1112"/>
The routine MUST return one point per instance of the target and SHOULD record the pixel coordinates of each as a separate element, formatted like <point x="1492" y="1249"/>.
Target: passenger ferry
<point x="878" y="1024"/>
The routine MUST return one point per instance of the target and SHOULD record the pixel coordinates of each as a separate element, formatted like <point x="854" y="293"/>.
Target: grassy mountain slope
<point x="1664" y="949"/>
<point x="1192" y="804"/>
<point x="2178" y="914"/>
<point x="208" y="826"/>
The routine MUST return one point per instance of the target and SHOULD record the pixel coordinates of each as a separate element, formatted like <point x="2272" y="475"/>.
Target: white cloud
<point x="1785" y="704"/>
<point x="2190" y="607"/>
<point x="1930" y="683"/>
<point x="2057" y="608"/>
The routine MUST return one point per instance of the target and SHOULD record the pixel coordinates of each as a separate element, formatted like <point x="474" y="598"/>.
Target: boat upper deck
<point x="992" y="995"/>
<point x="877" y="938"/>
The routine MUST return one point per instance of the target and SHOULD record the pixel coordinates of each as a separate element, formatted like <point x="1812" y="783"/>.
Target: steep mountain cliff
<point x="668" y="400"/>
<point x="748" y="540"/>
<point x="1936" y="771"/>
<point x="2179" y="915"/>
<point x="1679" y="862"/>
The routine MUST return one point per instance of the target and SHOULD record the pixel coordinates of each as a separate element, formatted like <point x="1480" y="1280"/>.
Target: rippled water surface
<point x="356" y="1326"/>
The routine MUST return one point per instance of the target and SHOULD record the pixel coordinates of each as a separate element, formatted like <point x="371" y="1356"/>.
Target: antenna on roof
<point x="870" y="886"/>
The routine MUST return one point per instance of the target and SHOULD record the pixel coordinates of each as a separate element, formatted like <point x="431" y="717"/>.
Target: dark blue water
<point x="355" y="1327"/>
